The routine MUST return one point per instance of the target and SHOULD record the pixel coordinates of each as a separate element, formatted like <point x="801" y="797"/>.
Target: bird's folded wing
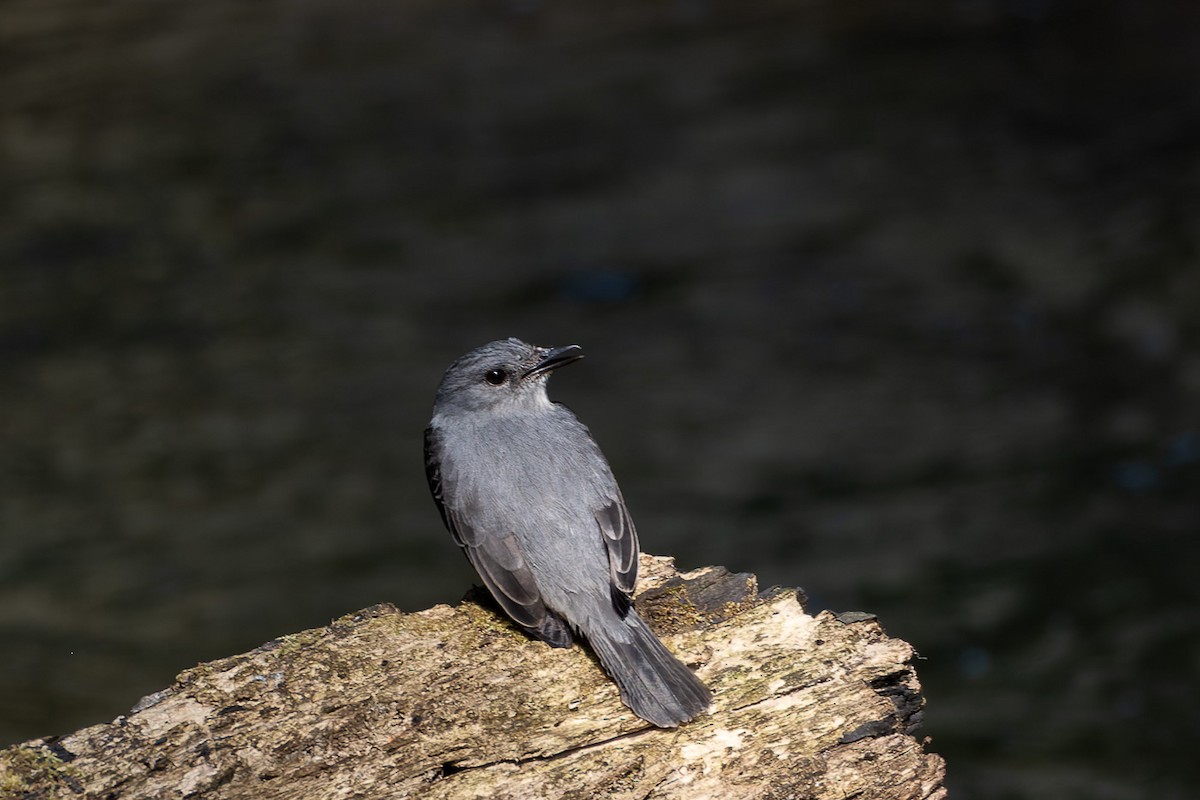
<point x="496" y="555"/>
<point x="620" y="537"/>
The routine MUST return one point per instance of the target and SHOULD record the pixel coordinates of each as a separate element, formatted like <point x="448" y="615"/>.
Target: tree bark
<point x="453" y="702"/>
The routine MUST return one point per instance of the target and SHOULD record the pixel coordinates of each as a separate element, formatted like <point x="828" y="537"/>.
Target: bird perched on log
<point x="529" y="497"/>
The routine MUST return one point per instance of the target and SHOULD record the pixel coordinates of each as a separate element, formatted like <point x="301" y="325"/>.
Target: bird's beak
<point x="552" y="358"/>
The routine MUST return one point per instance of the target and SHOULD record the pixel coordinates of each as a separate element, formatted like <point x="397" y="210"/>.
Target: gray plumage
<point x="528" y="496"/>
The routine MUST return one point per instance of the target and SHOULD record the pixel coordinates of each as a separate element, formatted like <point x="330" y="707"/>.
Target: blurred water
<point x="892" y="303"/>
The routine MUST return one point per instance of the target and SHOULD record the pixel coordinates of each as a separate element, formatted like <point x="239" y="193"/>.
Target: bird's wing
<point x="616" y="528"/>
<point x="620" y="537"/>
<point x="496" y="556"/>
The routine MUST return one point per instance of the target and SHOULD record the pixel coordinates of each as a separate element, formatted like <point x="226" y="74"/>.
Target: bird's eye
<point x="495" y="376"/>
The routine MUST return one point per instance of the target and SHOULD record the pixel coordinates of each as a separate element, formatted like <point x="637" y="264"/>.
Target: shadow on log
<point x="455" y="703"/>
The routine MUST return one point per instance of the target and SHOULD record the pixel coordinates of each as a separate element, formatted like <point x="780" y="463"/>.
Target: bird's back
<point x="542" y="478"/>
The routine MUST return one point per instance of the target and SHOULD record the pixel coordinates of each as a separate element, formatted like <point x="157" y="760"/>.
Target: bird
<point x="527" y="494"/>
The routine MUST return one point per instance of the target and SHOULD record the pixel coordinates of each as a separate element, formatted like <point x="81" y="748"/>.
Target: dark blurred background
<point x="893" y="301"/>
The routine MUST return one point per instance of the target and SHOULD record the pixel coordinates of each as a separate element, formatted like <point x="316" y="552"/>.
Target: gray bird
<point x="528" y="496"/>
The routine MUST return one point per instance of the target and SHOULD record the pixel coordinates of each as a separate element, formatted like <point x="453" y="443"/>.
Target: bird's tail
<point x="656" y="685"/>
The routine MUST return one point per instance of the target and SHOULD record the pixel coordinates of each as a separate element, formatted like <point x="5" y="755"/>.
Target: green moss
<point x="25" y="770"/>
<point x="484" y="623"/>
<point x="672" y="610"/>
<point x="294" y="642"/>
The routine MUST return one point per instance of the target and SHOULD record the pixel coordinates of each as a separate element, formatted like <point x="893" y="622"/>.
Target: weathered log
<point x="453" y="702"/>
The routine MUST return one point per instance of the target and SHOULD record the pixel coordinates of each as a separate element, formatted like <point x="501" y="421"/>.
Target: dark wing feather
<point x="617" y="531"/>
<point x="496" y="557"/>
<point x="621" y="539"/>
<point x="433" y="474"/>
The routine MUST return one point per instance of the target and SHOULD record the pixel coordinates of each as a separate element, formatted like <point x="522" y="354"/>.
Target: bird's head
<point x="507" y="376"/>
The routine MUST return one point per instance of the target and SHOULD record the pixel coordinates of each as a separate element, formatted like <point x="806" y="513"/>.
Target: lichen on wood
<point x="453" y="702"/>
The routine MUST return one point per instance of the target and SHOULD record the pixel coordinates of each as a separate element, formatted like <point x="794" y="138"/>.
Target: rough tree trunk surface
<point x="455" y="703"/>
